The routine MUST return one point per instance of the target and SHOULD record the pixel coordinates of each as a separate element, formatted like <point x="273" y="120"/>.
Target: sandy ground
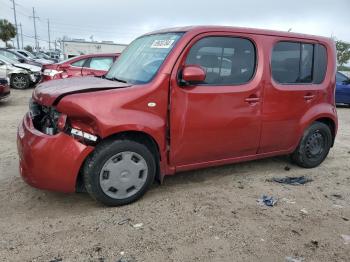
<point x="205" y="215"/>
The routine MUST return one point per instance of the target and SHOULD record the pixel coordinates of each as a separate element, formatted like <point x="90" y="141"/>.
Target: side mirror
<point x="21" y="60"/>
<point x="192" y="74"/>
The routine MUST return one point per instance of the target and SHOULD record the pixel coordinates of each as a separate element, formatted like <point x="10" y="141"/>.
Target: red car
<point x="84" y="65"/>
<point x="181" y="99"/>
<point x="4" y="89"/>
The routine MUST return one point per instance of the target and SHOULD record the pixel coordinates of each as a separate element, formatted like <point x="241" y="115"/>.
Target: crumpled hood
<point x="28" y="67"/>
<point x="48" y="92"/>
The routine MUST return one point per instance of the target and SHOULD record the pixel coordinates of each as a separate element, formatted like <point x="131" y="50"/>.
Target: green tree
<point x="7" y="31"/>
<point x="28" y="48"/>
<point x="343" y="52"/>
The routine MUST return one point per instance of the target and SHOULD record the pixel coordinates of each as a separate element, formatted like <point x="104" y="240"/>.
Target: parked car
<point x="4" y="89"/>
<point x="342" y="91"/>
<point x="21" y="75"/>
<point x="10" y="53"/>
<point x="45" y="56"/>
<point x="165" y="106"/>
<point x="84" y="65"/>
<point x="34" y="57"/>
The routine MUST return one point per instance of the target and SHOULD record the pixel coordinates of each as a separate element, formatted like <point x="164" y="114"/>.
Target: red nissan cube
<point x="181" y="99"/>
<point x="84" y="65"/>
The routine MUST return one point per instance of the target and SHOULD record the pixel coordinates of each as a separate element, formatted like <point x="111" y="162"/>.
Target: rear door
<point x="218" y="119"/>
<point x="97" y="66"/>
<point x="297" y="71"/>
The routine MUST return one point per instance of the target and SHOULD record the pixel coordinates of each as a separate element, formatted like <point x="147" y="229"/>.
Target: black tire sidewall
<point x="99" y="157"/>
<point x="299" y="156"/>
<point x="23" y="75"/>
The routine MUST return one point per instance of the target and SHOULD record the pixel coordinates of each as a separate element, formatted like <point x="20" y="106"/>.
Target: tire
<point x="119" y="172"/>
<point x="314" y="146"/>
<point x="20" y="81"/>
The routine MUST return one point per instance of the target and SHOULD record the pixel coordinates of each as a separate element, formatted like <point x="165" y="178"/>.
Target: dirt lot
<point x="205" y="215"/>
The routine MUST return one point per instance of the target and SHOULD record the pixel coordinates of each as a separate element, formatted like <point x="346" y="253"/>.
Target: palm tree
<point x="7" y="31"/>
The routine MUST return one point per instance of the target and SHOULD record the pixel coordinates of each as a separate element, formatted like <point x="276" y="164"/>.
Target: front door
<point x="220" y="118"/>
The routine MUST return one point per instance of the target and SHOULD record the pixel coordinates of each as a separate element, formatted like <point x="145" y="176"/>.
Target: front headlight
<point x="51" y="72"/>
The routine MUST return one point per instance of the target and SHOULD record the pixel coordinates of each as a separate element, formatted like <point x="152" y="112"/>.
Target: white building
<point x="71" y="48"/>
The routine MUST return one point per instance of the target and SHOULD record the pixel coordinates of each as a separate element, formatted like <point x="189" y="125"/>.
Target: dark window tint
<point x="294" y="62"/>
<point x="101" y="63"/>
<point x="285" y="62"/>
<point x="226" y="60"/>
<point x="79" y="63"/>
<point x="320" y="63"/>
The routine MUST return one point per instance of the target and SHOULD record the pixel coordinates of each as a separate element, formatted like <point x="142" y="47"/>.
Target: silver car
<point x="19" y="75"/>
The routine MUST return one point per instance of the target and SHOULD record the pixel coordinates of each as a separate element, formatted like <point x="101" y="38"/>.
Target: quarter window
<point x="226" y="60"/>
<point x="297" y="63"/>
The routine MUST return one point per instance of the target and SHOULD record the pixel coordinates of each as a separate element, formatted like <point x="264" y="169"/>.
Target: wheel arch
<point x="134" y="135"/>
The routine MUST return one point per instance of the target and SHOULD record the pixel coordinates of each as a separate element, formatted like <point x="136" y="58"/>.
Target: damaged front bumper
<point x="49" y="162"/>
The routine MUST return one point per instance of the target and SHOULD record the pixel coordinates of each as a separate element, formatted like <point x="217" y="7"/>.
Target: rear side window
<point x="79" y="63"/>
<point x="297" y="63"/>
<point x="226" y="60"/>
<point x="101" y="63"/>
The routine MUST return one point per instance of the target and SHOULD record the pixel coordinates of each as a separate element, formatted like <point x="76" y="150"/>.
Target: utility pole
<point x="14" y="13"/>
<point x="48" y="31"/>
<point x="20" y="26"/>
<point x="35" y="35"/>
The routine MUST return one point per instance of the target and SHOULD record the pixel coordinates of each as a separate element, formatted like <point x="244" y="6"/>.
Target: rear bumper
<point x="49" y="162"/>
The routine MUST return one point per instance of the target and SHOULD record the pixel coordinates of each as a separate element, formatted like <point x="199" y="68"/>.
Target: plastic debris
<point x="269" y="201"/>
<point x="346" y="239"/>
<point x="294" y="259"/>
<point x="138" y="225"/>
<point x="124" y="221"/>
<point x="304" y="211"/>
<point x="300" y="180"/>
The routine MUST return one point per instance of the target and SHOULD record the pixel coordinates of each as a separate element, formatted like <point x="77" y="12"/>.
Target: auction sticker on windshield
<point x="162" y="43"/>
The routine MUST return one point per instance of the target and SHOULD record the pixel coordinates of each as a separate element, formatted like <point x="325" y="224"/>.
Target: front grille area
<point x="44" y="118"/>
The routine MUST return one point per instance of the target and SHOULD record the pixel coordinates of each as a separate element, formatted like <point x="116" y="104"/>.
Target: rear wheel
<point x="119" y="172"/>
<point x="314" y="146"/>
<point x="20" y="81"/>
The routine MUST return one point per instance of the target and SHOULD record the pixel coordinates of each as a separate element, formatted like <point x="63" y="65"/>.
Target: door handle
<point x="309" y="97"/>
<point x="252" y="99"/>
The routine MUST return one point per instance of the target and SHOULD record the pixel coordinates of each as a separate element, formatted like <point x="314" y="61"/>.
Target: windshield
<point x="139" y="63"/>
<point x="8" y="60"/>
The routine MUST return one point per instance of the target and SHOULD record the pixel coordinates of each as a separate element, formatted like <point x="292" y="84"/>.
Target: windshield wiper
<point x="116" y="79"/>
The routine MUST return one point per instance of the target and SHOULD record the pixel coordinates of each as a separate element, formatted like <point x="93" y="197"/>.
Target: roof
<point x="203" y="29"/>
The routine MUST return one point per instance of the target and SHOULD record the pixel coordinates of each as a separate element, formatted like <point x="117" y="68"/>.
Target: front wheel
<point x="20" y="81"/>
<point x="119" y="172"/>
<point x="314" y="146"/>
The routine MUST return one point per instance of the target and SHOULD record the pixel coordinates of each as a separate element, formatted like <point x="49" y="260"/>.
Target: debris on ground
<point x="304" y="211"/>
<point x="345" y="218"/>
<point x="300" y="180"/>
<point x="346" y="239"/>
<point x="269" y="201"/>
<point x="56" y="259"/>
<point x="124" y="221"/>
<point x="138" y="225"/>
<point x="289" y="201"/>
<point x="339" y="196"/>
<point x="294" y="259"/>
<point x="313" y="245"/>
<point x="287" y="168"/>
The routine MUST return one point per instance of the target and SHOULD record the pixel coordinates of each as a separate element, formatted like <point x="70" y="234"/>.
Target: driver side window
<point x="226" y="60"/>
